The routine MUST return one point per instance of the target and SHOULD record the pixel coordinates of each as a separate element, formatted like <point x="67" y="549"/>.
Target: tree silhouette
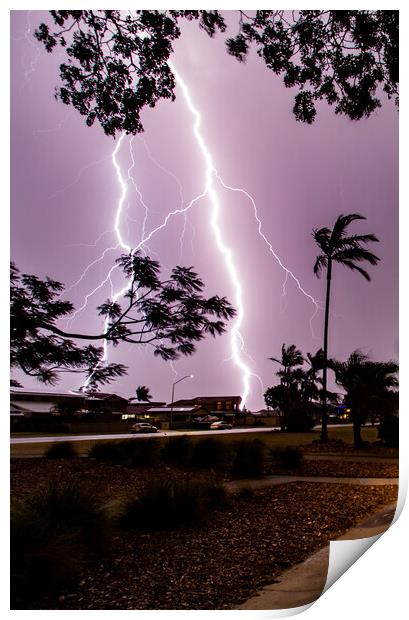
<point x="117" y="63"/>
<point x="291" y="357"/>
<point x="143" y="393"/>
<point x="169" y="315"/>
<point x="337" y="247"/>
<point x="295" y="393"/>
<point x="369" y="388"/>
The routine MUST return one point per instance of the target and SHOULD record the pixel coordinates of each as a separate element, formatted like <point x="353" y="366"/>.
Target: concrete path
<point x="372" y="458"/>
<point x="304" y="583"/>
<point x="269" y="481"/>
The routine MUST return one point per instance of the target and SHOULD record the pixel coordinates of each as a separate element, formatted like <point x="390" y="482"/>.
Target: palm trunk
<point x="357" y="434"/>
<point x="324" y="421"/>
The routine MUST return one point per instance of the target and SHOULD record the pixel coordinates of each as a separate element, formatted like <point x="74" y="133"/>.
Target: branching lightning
<point x="212" y="180"/>
<point x="287" y="271"/>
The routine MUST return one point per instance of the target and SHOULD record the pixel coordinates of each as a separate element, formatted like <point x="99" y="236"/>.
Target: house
<point x="137" y="410"/>
<point x="264" y="417"/>
<point x="36" y="404"/>
<point x="215" y="404"/>
<point x="105" y="405"/>
<point x="177" y="417"/>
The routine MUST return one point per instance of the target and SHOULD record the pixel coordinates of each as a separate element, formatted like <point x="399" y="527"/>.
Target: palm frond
<point x="342" y="222"/>
<point x="356" y="254"/>
<point x="320" y="263"/>
<point x="358" y="240"/>
<point x="354" y="267"/>
<point x="322" y="237"/>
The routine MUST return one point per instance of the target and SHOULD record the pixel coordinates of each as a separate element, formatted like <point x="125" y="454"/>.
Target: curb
<point x="304" y="583"/>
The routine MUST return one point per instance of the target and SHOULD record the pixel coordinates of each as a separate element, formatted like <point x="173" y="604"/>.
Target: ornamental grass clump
<point x="108" y="452"/>
<point x="171" y="504"/>
<point x="61" y="450"/>
<point x="210" y="453"/>
<point x="53" y="533"/>
<point x="288" y="457"/>
<point x="177" y="450"/>
<point x="249" y="459"/>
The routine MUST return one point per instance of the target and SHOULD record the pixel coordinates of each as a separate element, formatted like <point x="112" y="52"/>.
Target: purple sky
<point x="65" y="193"/>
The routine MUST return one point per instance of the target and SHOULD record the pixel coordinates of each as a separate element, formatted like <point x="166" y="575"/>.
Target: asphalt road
<point x="28" y="440"/>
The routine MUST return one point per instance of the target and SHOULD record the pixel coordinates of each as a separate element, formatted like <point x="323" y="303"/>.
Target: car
<point x="220" y="425"/>
<point x="143" y="427"/>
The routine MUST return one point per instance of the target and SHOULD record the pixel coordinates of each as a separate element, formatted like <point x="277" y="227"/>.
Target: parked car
<point x="143" y="427"/>
<point x="220" y="425"/>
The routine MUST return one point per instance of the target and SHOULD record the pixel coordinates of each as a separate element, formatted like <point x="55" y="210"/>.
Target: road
<point x="28" y="440"/>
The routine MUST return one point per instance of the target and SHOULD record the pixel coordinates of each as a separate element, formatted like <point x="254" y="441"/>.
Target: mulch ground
<point x="241" y="548"/>
<point x="341" y="469"/>
<point x="337" y="446"/>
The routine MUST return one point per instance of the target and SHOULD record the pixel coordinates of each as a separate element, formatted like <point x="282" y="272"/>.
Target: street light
<point x="173" y="394"/>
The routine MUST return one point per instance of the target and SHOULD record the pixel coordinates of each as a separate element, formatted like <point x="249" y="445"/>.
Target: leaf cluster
<point x="117" y="62"/>
<point x="170" y="315"/>
<point x="347" y="250"/>
<point x="370" y="387"/>
<point x="341" y="57"/>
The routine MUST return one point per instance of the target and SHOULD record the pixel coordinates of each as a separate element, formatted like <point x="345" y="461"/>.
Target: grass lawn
<point x="273" y="439"/>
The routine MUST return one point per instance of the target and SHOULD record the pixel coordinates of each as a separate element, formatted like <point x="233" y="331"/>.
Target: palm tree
<point x="336" y="246"/>
<point x="290" y="358"/>
<point x="142" y="393"/>
<point x="368" y="385"/>
<point x="311" y="390"/>
<point x="289" y="373"/>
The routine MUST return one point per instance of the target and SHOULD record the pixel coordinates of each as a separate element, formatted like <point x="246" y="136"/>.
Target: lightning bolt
<point x="31" y="67"/>
<point x="224" y="249"/>
<point x="212" y="180"/>
<point x="287" y="271"/>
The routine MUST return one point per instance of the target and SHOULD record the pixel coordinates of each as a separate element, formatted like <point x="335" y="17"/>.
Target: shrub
<point x="289" y="457"/>
<point x="388" y="430"/>
<point x="248" y="461"/>
<point x="130" y="452"/>
<point x="177" y="450"/>
<point x="169" y="504"/>
<point x="210" y="453"/>
<point x="108" y="452"/>
<point x="53" y="533"/>
<point x="61" y="450"/>
<point x="147" y="452"/>
<point x="298" y="421"/>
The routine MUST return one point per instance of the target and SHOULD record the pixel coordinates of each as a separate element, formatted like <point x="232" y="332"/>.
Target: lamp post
<point x="173" y="394"/>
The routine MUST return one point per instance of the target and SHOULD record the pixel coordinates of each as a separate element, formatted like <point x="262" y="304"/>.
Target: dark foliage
<point x="210" y="453"/>
<point x="388" y="430"/>
<point x="140" y="453"/>
<point x="107" y="452"/>
<point x="298" y="421"/>
<point x="61" y="450"/>
<point x="143" y="393"/>
<point x="341" y="57"/>
<point x="129" y="452"/>
<point x="288" y="457"/>
<point x="117" y="64"/>
<point x="169" y="504"/>
<point x="53" y="533"/>
<point x="248" y="461"/>
<point x="296" y="395"/>
<point x="339" y="247"/>
<point x="370" y="389"/>
<point x="177" y="450"/>
<point x="169" y="315"/>
<point x="37" y="346"/>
